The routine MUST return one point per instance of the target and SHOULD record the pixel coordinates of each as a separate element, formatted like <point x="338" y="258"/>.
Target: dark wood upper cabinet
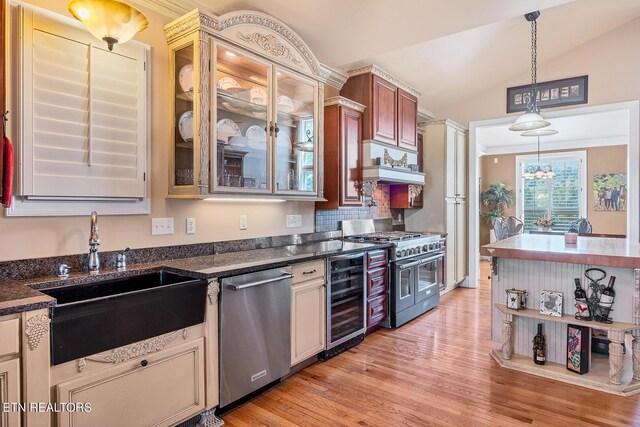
<point x="384" y="110"/>
<point x="391" y="113"/>
<point x="407" y="120"/>
<point x="342" y="156"/>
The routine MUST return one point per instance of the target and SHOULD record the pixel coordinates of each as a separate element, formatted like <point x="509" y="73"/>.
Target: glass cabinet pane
<point x="296" y="137"/>
<point x="241" y="132"/>
<point x="183" y="108"/>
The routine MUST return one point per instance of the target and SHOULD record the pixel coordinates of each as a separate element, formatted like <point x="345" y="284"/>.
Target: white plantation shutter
<point x="83" y="113"/>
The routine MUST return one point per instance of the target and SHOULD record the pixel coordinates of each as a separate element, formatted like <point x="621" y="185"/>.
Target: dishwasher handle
<point x="259" y="282"/>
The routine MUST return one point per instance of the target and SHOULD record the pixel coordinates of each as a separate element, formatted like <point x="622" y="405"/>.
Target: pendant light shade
<point x="109" y="20"/>
<point x="540" y="132"/>
<point x="529" y="121"/>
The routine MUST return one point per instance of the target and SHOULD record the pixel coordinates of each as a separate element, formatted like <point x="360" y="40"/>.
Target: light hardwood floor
<point x="436" y="370"/>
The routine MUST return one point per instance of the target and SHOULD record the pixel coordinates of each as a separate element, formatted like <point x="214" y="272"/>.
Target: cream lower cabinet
<point x="159" y="390"/>
<point x="308" y="313"/>
<point x="9" y="391"/>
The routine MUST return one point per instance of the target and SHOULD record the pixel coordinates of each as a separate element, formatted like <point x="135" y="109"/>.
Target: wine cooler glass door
<point x="346" y="314"/>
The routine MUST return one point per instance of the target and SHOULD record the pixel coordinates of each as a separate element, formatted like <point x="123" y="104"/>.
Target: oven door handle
<point x="411" y="264"/>
<point x="432" y="258"/>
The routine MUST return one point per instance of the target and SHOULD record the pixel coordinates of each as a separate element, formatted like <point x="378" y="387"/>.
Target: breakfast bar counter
<point x="602" y="251"/>
<point x="538" y="263"/>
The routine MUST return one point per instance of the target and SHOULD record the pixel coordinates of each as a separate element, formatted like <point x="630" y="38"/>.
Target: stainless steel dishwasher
<point x="255" y="332"/>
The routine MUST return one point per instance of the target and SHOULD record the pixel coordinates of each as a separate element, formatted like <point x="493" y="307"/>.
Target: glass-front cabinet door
<point x="295" y="133"/>
<point x="183" y="178"/>
<point x="242" y="124"/>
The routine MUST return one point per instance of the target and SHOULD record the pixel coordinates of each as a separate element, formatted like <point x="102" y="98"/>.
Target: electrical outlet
<point x="161" y="226"/>
<point x="191" y="226"/>
<point x="243" y="222"/>
<point x="294" y="221"/>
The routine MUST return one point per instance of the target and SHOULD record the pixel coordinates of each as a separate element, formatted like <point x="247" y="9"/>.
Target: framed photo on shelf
<point x="551" y="303"/>
<point x="578" y="348"/>
<point x="554" y="93"/>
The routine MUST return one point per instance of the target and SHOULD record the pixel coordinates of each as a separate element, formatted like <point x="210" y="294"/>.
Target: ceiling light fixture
<point x="109" y="20"/>
<point x="532" y="120"/>
<point x="538" y="172"/>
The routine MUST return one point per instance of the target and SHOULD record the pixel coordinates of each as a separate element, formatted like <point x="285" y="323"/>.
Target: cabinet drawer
<point x="9" y="336"/>
<point x="377" y="282"/>
<point x="377" y="310"/>
<point x="377" y="258"/>
<point x="306" y="271"/>
<point x="169" y="389"/>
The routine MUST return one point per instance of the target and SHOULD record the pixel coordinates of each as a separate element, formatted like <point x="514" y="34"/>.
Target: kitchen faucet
<point x="94" y="241"/>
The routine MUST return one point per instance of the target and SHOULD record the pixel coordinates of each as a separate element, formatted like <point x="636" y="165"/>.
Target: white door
<point x="452" y="232"/>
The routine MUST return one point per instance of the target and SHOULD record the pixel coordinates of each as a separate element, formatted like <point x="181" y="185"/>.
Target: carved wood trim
<point x="36" y="328"/>
<point x="131" y="351"/>
<point x="377" y="71"/>
<point x="388" y="160"/>
<point x="270" y="44"/>
<point x="203" y="109"/>
<point x="213" y="290"/>
<point x="447" y="122"/>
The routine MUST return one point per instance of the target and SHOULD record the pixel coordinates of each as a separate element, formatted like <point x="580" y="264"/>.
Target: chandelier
<point x="538" y="172"/>
<point x="531" y="123"/>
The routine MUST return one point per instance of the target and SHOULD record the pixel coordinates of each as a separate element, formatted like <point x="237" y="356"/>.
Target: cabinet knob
<point x="144" y="363"/>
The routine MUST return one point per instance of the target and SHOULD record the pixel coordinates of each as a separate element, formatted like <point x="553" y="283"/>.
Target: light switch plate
<point x="161" y="226"/>
<point x="243" y="222"/>
<point x="191" y="226"/>
<point x="294" y="221"/>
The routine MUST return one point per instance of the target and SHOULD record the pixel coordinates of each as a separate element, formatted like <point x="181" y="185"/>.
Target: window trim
<point x="566" y="155"/>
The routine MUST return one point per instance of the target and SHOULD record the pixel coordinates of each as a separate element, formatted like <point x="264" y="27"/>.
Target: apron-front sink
<point x="104" y="315"/>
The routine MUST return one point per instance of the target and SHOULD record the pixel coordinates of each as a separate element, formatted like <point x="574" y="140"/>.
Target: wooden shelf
<point x="597" y="378"/>
<point x="535" y="314"/>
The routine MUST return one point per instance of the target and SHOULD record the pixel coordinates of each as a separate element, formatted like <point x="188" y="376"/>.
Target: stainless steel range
<point x="416" y="266"/>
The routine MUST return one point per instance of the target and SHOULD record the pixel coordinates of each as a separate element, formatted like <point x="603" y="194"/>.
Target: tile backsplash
<point x="327" y="220"/>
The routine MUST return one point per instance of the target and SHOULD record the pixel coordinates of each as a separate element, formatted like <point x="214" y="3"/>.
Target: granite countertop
<point x="23" y="295"/>
<point x="601" y="251"/>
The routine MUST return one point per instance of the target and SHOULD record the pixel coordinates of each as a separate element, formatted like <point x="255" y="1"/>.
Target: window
<point x="561" y="198"/>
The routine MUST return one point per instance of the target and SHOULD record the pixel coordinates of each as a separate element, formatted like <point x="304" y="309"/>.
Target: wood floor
<point x="435" y="370"/>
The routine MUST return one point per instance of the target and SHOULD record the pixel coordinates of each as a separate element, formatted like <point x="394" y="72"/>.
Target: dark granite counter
<point x="22" y="295"/>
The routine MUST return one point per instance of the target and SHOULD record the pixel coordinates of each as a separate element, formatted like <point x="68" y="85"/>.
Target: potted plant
<point x="543" y="223"/>
<point x="496" y="199"/>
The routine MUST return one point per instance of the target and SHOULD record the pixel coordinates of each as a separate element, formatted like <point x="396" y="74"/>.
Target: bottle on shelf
<point x="606" y="302"/>
<point x="583" y="312"/>
<point x="539" y="344"/>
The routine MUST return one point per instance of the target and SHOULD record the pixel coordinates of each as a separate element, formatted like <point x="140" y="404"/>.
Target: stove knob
<point x="404" y="252"/>
<point x="412" y="251"/>
<point x="425" y="248"/>
<point x="432" y="246"/>
<point x="418" y="249"/>
<point x="398" y="254"/>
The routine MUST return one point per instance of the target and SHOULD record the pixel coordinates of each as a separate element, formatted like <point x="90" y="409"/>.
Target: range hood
<point x="386" y="163"/>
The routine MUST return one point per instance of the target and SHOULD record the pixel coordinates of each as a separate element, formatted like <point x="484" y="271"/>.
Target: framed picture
<point x="610" y="192"/>
<point x="555" y="93"/>
<point x="551" y="303"/>
<point x="578" y="348"/>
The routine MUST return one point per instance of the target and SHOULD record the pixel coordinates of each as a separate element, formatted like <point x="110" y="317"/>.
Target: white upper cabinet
<point x="246" y="107"/>
<point x="83" y="113"/>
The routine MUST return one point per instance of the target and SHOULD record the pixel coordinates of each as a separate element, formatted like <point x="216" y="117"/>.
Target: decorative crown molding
<point x="448" y="122"/>
<point x="344" y="102"/>
<point x="336" y="78"/>
<point x="375" y="70"/>
<point x="37" y="328"/>
<point x="270" y="44"/>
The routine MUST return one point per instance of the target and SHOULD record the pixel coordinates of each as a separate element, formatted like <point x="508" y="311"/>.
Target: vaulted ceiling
<point x="446" y="49"/>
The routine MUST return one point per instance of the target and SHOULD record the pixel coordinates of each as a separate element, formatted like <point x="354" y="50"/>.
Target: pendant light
<point x="538" y="173"/>
<point x="532" y="119"/>
<point x="109" y="20"/>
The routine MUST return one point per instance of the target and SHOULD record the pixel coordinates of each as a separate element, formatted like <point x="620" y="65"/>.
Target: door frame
<point x="475" y="151"/>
